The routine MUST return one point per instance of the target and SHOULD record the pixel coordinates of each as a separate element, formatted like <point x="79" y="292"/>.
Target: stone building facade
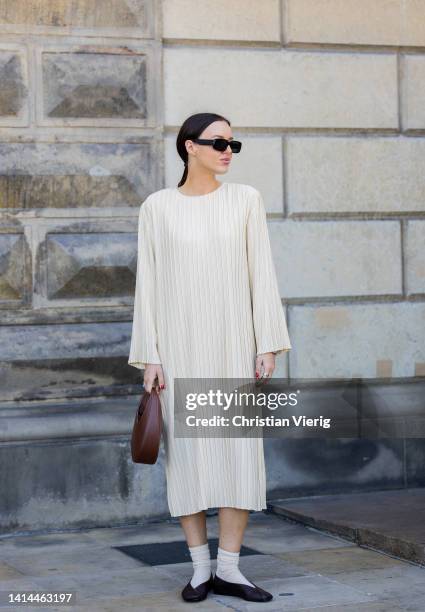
<point x="328" y="98"/>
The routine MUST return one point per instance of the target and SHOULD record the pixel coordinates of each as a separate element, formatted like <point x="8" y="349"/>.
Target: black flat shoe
<point x="198" y="593"/>
<point x="255" y="593"/>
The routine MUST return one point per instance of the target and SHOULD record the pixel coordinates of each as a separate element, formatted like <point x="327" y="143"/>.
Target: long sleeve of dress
<point x="143" y="347"/>
<point x="270" y="327"/>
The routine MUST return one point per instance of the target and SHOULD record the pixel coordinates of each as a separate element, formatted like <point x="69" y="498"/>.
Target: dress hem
<point x="239" y="507"/>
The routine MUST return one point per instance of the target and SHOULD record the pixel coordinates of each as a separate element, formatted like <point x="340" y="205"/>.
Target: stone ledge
<point x="73" y="419"/>
<point x="389" y="521"/>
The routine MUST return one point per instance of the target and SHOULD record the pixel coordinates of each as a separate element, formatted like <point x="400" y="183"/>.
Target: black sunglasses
<point x="220" y="144"/>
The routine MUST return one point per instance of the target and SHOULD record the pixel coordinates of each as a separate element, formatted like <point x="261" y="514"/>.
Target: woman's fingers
<point x="161" y="378"/>
<point x="153" y="378"/>
<point x="264" y="366"/>
<point x="147" y="384"/>
<point x="258" y="367"/>
<point x="156" y="384"/>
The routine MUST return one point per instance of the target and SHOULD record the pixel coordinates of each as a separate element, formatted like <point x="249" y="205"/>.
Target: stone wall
<point x="328" y="98"/>
<point x="80" y="149"/>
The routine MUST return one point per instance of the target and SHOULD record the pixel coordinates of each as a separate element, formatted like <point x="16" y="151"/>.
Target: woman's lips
<point x="225" y="161"/>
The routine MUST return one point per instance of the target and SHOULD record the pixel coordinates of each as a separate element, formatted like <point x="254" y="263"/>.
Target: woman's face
<point x="217" y="162"/>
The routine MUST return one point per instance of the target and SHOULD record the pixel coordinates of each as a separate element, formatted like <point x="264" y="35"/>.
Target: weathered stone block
<point x="95" y="85"/>
<point x="281" y="88"/>
<point x="350" y="340"/>
<point x="355" y="174"/>
<point x="90" y="481"/>
<point x="381" y="22"/>
<point x="15" y="271"/>
<point x="415" y="256"/>
<point x="90" y="265"/>
<point x="336" y="258"/>
<point x="77" y="13"/>
<point x="65" y="360"/>
<point x="13" y="87"/>
<point x="73" y="175"/>
<point x="413" y="92"/>
<point x="222" y="20"/>
<point x="47" y="379"/>
<point x="318" y="467"/>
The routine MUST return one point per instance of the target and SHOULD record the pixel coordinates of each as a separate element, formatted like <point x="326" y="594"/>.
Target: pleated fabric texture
<point x="206" y="303"/>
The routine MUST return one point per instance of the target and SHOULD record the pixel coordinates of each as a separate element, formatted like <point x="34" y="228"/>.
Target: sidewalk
<point x="303" y="568"/>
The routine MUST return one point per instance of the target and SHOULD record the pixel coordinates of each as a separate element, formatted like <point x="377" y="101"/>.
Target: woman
<point x="207" y="305"/>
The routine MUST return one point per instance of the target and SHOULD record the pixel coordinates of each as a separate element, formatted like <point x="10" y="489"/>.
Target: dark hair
<point x="191" y="128"/>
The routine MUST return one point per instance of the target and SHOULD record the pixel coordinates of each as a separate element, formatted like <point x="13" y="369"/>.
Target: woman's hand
<point x="153" y="371"/>
<point x="264" y="366"/>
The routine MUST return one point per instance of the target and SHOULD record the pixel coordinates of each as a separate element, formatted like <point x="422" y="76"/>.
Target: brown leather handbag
<point x="147" y="429"/>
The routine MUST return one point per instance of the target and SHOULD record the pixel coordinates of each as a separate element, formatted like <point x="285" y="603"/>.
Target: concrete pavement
<point x="144" y="568"/>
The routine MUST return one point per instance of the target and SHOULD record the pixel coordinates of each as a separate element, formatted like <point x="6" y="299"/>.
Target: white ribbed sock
<point x="201" y="564"/>
<point x="227" y="567"/>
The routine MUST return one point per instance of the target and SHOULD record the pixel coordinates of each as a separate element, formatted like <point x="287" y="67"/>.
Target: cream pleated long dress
<point x="206" y="303"/>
